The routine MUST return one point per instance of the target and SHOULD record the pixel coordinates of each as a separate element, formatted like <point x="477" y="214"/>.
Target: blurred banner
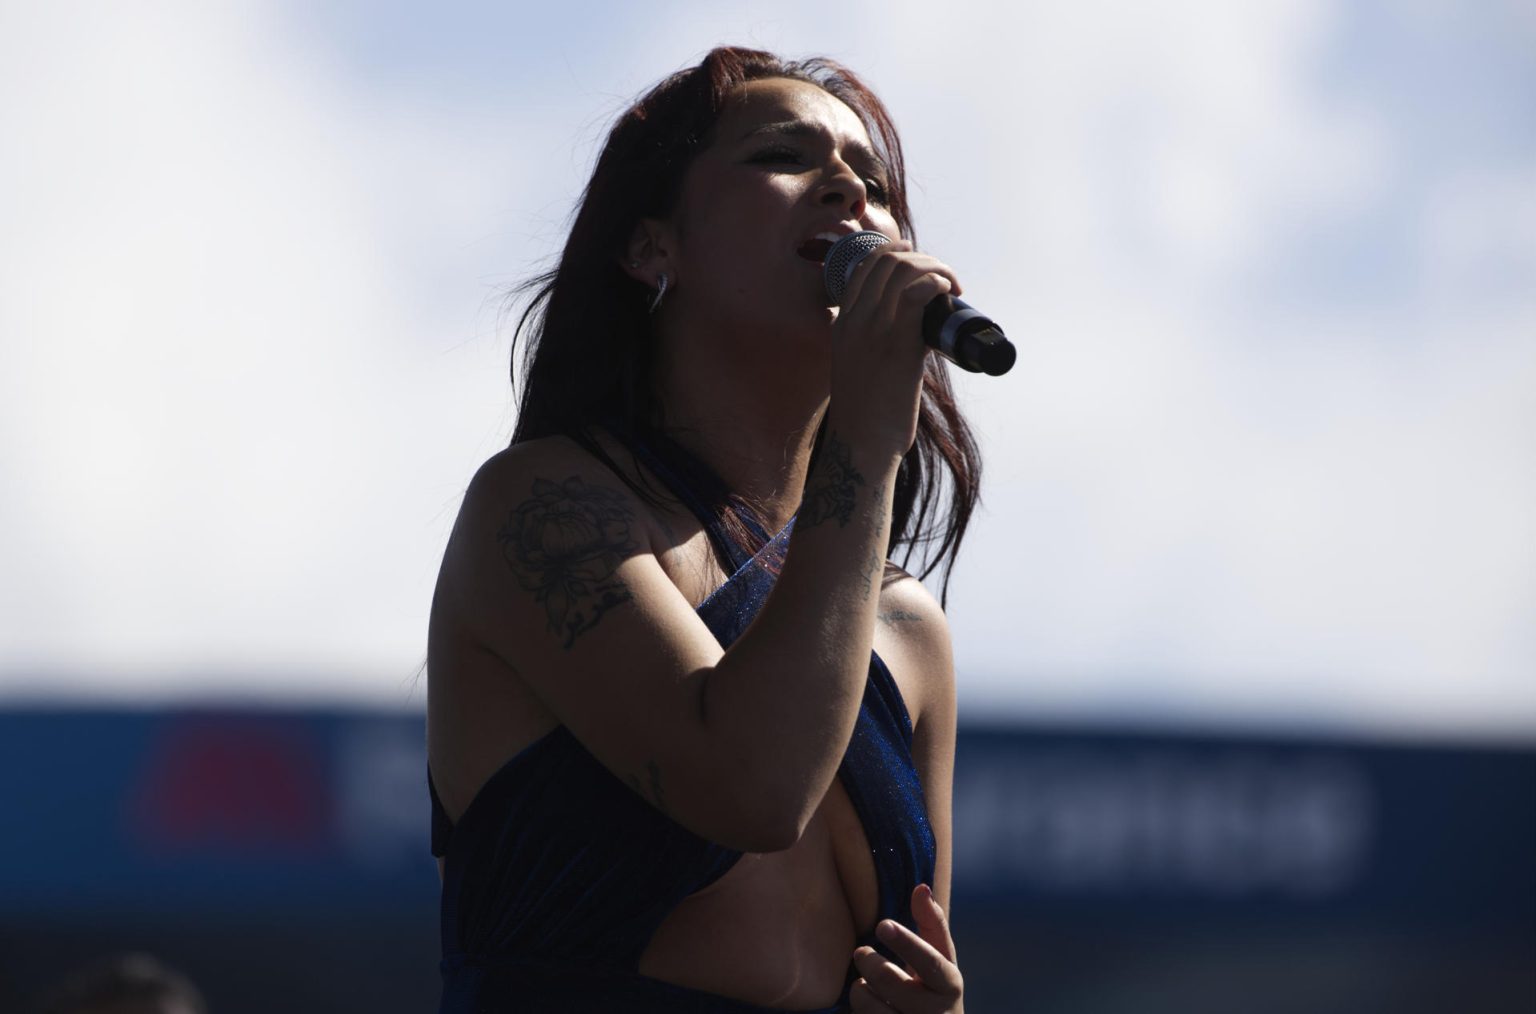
<point x="1139" y="872"/>
<point x="151" y="813"/>
<point x="281" y="858"/>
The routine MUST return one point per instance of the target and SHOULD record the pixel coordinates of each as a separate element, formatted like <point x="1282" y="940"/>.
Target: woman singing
<point x="690" y="733"/>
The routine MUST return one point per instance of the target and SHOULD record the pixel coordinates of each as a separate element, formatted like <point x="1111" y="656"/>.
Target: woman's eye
<point x="777" y="155"/>
<point x="874" y="187"/>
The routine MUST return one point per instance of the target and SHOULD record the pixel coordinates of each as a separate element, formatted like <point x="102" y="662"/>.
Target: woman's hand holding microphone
<point x="877" y="347"/>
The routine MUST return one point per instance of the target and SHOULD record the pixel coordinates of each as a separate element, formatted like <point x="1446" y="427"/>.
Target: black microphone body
<point x="955" y="329"/>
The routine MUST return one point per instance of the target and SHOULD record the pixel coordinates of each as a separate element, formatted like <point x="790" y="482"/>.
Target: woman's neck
<point x="755" y="429"/>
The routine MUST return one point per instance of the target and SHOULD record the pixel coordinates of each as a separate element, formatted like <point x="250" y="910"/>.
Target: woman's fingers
<point x="870" y="265"/>
<point x="924" y="287"/>
<point x="877" y="355"/>
<point x="863" y="1000"/>
<point x="885" y="979"/>
<point x="936" y="971"/>
<point x="931" y="982"/>
<point x="891" y="255"/>
<point x="895" y="265"/>
<point x="932" y="924"/>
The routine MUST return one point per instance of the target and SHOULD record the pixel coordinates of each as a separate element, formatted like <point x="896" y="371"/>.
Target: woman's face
<point x="788" y="163"/>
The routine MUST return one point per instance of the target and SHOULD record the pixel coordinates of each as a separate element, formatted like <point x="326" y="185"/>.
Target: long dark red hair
<point x="588" y="349"/>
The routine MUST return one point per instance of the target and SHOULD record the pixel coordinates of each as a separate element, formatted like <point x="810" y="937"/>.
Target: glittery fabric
<point x="557" y="874"/>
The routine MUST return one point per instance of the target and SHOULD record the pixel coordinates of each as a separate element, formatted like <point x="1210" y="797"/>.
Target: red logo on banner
<point x="253" y="785"/>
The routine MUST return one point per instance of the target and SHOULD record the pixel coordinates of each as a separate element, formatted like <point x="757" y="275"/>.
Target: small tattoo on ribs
<point x="657" y="794"/>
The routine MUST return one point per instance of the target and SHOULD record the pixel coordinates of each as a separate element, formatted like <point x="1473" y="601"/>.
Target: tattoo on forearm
<point x="835" y="489"/>
<point x="873" y="566"/>
<point x="565" y="544"/>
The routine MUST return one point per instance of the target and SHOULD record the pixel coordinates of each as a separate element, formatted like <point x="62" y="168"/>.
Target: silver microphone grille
<point x="844" y="257"/>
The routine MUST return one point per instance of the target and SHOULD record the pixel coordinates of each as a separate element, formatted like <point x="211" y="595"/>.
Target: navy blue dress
<point x="557" y="873"/>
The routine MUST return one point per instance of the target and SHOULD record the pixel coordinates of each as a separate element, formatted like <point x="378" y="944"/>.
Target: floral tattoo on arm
<point x="565" y="544"/>
<point x="836" y="487"/>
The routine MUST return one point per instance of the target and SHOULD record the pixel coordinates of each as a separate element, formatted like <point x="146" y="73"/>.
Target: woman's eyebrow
<point x="804" y="128"/>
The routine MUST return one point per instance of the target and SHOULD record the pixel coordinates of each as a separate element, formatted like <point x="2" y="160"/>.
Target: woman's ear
<point x="646" y="257"/>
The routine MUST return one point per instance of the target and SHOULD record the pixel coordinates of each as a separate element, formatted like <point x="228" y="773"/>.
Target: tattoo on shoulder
<point x="835" y="489"/>
<point x="892" y="617"/>
<point x="565" y="544"/>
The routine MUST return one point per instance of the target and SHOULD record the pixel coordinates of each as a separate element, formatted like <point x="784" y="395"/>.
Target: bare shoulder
<point x="914" y="620"/>
<point x="912" y="613"/>
<point x="539" y="469"/>
<point x="914" y="629"/>
<point x="552" y="511"/>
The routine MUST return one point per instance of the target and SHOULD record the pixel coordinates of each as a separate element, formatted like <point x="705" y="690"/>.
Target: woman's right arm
<point x="551" y="571"/>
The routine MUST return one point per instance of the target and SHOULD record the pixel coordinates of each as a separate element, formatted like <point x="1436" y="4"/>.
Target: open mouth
<point x="814" y="250"/>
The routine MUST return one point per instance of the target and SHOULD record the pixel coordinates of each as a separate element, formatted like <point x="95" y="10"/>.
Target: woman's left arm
<point x="931" y="982"/>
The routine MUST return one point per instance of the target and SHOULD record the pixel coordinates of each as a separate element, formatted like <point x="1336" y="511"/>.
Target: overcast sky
<point x="1268" y="457"/>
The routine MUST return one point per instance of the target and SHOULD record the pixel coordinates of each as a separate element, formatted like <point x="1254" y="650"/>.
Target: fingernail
<point x="886" y="931"/>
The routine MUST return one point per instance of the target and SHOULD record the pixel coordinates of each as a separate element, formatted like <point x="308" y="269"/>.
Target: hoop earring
<point x="661" y="290"/>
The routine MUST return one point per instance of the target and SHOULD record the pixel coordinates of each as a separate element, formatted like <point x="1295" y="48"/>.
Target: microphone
<point x="956" y="330"/>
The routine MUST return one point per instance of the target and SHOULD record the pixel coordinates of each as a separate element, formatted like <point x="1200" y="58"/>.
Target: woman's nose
<point x="845" y="187"/>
